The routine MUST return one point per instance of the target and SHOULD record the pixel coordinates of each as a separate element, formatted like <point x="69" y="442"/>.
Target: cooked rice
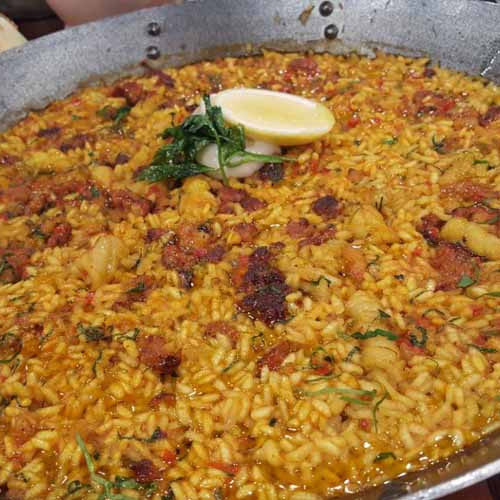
<point x="229" y="425"/>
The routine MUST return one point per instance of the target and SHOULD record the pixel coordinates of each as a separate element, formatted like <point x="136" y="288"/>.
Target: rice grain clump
<point x="316" y="328"/>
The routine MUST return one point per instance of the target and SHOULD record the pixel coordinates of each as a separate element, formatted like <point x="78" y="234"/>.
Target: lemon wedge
<point x="276" y="117"/>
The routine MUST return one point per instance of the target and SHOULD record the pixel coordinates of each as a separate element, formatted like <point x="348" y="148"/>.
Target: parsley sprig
<point x="178" y="159"/>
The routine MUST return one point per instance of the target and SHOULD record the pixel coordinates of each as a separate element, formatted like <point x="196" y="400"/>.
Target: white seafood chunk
<point x="367" y="222"/>
<point x="102" y="261"/>
<point x="363" y="308"/>
<point x="473" y="236"/>
<point x="209" y="157"/>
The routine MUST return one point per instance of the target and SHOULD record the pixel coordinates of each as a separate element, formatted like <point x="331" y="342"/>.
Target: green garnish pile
<point x="178" y="159"/>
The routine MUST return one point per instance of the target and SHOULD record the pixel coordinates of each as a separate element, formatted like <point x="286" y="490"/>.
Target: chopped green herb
<point x="120" y="116"/>
<point x="156" y="436"/>
<point x="465" y="281"/>
<point x="131" y="335"/>
<point x="94" y="366"/>
<point x="119" y="482"/>
<point x="484" y="350"/>
<point x="491" y="333"/>
<point x="95" y="192"/>
<point x="423" y="340"/>
<point x="169" y="496"/>
<point x="230" y="365"/>
<point x="352" y="352"/>
<point x="11" y="343"/>
<point x="375" y="409"/>
<point x="378" y="332"/>
<point x="379" y="204"/>
<point x="258" y="342"/>
<point x="432" y="309"/>
<point x="92" y="333"/>
<point x="490" y="294"/>
<point x="384" y="456"/>
<point x="179" y="159"/>
<point x="322" y="377"/>
<point x="383" y="314"/>
<point x="75" y="486"/>
<point x="390" y="141"/>
<point x="345" y="393"/>
<point x="38" y="233"/>
<point x="437" y="146"/>
<point x="75" y="117"/>
<point x="318" y="281"/>
<point x="138" y="289"/>
<point x="218" y="494"/>
<point x="318" y="356"/>
<point x="355" y="401"/>
<point x="273" y="421"/>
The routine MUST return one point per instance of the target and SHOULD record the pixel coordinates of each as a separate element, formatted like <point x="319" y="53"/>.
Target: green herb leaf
<point x="491" y="294"/>
<point x="385" y="455"/>
<point x="258" y="342"/>
<point x="465" y="281"/>
<point x="321" y="377"/>
<point x="12" y="344"/>
<point x="351" y="354"/>
<point x="383" y="314"/>
<point x="141" y="287"/>
<point x="437" y="145"/>
<point x="178" y="159"/>
<point x="92" y="333"/>
<point x="432" y="309"/>
<point x="230" y="365"/>
<point x="318" y="357"/>
<point x="390" y="141"/>
<point x="344" y="391"/>
<point x="156" y="436"/>
<point x="75" y="486"/>
<point x="484" y="350"/>
<point x="131" y="335"/>
<point x="120" y="116"/>
<point x="95" y="192"/>
<point x="423" y="340"/>
<point x="94" y="366"/>
<point x="375" y="409"/>
<point x="378" y="332"/>
<point x="491" y="333"/>
<point x="318" y="281"/>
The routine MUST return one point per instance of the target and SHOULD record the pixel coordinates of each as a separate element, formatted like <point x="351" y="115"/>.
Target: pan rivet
<point x="326" y="8"/>
<point x="331" y="32"/>
<point x="154" y="29"/>
<point x="152" y="52"/>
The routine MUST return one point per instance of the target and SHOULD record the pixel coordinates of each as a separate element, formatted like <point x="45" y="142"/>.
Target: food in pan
<point x="322" y="325"/>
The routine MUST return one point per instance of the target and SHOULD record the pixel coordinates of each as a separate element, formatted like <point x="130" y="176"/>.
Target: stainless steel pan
<point x="459" y="34"/>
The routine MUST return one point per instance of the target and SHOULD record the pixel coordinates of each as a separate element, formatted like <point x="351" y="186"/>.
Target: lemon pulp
<point x="277" y="117"/>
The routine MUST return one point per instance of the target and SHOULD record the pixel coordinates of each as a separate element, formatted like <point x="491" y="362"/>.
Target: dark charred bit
<point x="452" y="261"/>
<point x="76" y="142"/>
<point x="247" y="231"/>
<point x="326" y="206"/>
<point x="132" y="92"/>
<point x="154" y="234"/>
<point x="8" y="159"/>
<point x="49" y="132"/>
<point x="145" y="471"/>
<point x="163" y="78"/>
<point x="265" y="289"/>
<point x="205" y="228"/>
<point x="215" y="254"/>
<point x="429" y="228"/>
<point x="168" y="365"/>
<point x="187" y="278"/>
<point x="273" y="172"/>
<point x="491" y="115"/>
<point x="429" y="72"/>
<point x="275" y="356"/>
<point x="121" y="158"/>
<point x="60" y="236"/>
